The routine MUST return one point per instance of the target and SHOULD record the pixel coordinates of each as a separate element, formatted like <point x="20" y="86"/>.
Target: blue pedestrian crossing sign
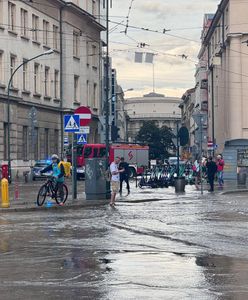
<point x="82" y="139"/>
<point x="71" y="123"/>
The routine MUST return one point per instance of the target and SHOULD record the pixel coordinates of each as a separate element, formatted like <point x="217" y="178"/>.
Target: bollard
<point x="5" y="193"/>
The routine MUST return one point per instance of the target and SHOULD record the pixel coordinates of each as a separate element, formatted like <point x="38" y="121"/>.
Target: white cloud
<point x="173" y="74"/>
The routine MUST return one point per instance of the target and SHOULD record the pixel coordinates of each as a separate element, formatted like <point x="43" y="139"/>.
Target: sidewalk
<point x="27" y="194"/>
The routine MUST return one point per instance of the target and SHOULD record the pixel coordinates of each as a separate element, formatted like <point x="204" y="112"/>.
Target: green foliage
<point x="158" y="139"/>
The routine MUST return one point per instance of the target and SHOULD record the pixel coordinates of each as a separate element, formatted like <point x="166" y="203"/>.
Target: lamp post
<point x="8" y="102"/>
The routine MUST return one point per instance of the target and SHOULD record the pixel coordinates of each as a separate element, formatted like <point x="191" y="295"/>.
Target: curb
<point x="55" y="207"/>
<point x="234" y="192"/>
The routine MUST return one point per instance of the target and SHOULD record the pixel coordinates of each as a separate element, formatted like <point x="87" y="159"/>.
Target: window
<point x="45" y="32"/>
<point x="56" y="141"/>
<point x="35" y="28"/>
<point x="47" y="82"/>
<point x="55" y="37"/>
<point x="87" y="54"/>
<point x="25" y="143"/>
<point x="88" y="92"/>
<point x="12" y="67"/>
<point x="76" y="88"/>
<point x="75" y="44"/>
<point x="56" y="84"/>
<point x="1" y="66"/>
<point x="87" y="152"/>
<point x="46" y="142"/>
<point x="95" y="96"/>
<point x="36" y="78"/>
<point x="11" y="16"/>
<point x="24" y="75"/>
<point x="93" y="7"/>
<point x="5" y="141"/>
<point x="24" y="22"/>
<point x="36" y="144"/>
<point x="94" y="56"/>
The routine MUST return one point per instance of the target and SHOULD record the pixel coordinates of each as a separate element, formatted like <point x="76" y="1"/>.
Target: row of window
<point x="50" y="77"/>
<point x="48" y="34"/>
<point x="33" y="146"/>
<point x="35" y="29"/>
<point x="216" y="39"/>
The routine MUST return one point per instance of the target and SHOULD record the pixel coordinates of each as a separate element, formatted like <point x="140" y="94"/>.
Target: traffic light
<point x="183" y="135"/>
<point x="114" y="133"/>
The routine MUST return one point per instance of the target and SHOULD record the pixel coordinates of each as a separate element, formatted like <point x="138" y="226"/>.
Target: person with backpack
<point x="58" y="173"/>
<point x="124" y="176"/>
<point x="211" y="172"/>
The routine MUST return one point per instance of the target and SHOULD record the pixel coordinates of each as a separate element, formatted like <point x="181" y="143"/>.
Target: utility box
<point x="96" y="185"/>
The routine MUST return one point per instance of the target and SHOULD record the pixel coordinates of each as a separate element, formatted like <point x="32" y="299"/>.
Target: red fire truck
<point x="137" y="156"/>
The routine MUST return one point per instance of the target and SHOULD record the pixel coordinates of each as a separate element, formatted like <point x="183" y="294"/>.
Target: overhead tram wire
<point x="128" y="15"/>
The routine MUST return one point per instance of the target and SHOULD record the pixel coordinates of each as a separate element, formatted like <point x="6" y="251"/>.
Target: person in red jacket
<point x="220" y="169"/>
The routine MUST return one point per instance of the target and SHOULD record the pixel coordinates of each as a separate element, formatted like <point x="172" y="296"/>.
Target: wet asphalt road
<point x="184" y="247"/>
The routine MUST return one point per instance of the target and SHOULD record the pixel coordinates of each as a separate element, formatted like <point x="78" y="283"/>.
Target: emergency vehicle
<point x="137" y="156"/>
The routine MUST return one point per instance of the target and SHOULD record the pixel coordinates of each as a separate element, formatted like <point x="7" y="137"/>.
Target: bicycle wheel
<point x="65" y="195"/>
<point x="41" y="197"/>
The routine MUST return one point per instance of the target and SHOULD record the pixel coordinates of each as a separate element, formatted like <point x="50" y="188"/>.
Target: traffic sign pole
<point x="74" y="167"/>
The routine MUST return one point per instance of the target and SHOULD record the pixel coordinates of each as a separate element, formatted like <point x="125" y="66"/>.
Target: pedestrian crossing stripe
<point x="71" y="123"/>
<point x="82" y="139"/>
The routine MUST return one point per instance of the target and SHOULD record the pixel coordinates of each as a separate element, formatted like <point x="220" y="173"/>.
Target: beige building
<point x="48" y="87"/>
<point x="152" y="107"/>
<point x="226" y="43"/>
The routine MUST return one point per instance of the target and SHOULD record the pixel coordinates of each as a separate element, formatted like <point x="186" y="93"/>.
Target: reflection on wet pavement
<point x="183" y="247"/>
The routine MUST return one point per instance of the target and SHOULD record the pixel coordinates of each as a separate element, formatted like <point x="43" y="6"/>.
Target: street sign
<point x="71" y="123"/>
<point x="84" y="130"/>
<point x="84" y="114"/>
<point x="66" y="141"/>
<point x="82" y="139"/>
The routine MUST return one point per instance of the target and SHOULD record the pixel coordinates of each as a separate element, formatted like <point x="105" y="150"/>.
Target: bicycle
<point x="50" y="189"/>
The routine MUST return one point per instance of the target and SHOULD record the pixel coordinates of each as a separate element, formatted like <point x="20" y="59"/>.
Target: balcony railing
<point x="154" y="116"/>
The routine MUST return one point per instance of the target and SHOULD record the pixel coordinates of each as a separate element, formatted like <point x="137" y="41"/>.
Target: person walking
<point x="196" y="172"/>
<point x="124" y="176"/>
<point x="211" y="172"/>
<point x="115" y="179"/>
<point x="220" y="170"/>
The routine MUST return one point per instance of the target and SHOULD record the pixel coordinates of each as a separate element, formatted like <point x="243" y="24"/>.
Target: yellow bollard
<point x="5" y="193"/>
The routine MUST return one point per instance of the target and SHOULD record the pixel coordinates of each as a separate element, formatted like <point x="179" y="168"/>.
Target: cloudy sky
<point x="173" y="75"/>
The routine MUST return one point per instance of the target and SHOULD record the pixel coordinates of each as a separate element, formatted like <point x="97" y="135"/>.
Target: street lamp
<point x="50" y="51"/>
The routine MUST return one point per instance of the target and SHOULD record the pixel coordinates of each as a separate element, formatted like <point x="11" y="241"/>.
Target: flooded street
<point x="182" y="247"/>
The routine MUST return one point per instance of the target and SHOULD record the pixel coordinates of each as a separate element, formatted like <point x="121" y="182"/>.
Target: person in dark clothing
<point x="211" y="171"/>
<point x="124" y="176"/>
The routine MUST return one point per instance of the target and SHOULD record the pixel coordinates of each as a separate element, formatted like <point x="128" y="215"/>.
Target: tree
<point x="158" y="139"/>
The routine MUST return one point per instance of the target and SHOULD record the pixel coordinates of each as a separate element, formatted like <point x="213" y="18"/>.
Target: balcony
<point x="154" y="116"/>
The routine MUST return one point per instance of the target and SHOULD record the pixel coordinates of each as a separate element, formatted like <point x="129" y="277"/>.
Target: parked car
<point x="38" y="166"/>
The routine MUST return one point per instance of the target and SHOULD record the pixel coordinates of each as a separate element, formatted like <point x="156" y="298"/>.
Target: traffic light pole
<point x="107" y="83"/>
<point x="178" y="161"/>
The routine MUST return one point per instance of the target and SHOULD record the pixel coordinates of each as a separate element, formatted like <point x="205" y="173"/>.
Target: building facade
<point x="45" y="89"/>
<point x="151" y="107"/>
<point x="227" y="63"/>
<point x="187" y="106"/>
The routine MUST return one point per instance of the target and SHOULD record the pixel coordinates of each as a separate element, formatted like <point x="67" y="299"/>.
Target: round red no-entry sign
<point x="84" y="114"/>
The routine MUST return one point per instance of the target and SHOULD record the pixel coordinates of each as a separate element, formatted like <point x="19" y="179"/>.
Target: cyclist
<point x="58" y="173"/>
